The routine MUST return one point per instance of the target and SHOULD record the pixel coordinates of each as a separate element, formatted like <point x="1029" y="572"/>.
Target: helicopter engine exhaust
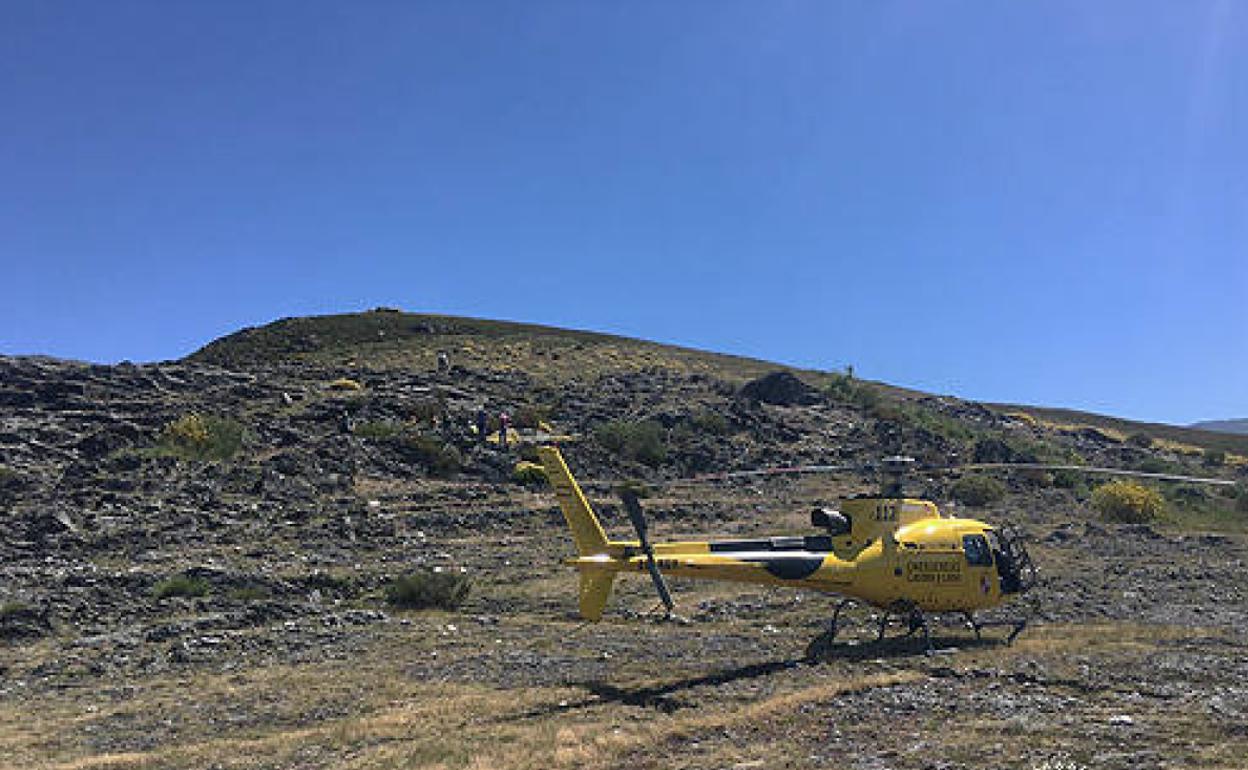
<point x="835" y="522"/>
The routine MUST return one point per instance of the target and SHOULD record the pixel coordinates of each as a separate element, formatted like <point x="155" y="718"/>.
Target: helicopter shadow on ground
<point x="661" y="697"/>
<point x="665" y="697"/>
<point x="819" y="650"/>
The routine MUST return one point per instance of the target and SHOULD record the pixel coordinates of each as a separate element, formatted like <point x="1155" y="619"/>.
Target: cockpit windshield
<point x="977" y="552"/>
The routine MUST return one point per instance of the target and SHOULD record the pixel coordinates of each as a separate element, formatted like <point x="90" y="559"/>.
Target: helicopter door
<point x="979" y="562"/>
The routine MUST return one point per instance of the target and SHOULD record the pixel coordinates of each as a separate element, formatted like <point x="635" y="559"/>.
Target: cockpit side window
<point x="977" y="551"/>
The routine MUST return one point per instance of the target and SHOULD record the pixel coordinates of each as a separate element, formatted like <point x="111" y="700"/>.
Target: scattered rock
<point x="19" y="620"/>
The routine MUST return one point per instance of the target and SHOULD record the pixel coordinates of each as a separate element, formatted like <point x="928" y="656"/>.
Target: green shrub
<point x="529" y="474"/>
<point x="202" y="437"/>
<point x="327" y="581"/>
<point x="425" y="412"/>
<point x="992" y="449"/>
<point x="888" y="411"/>
<point x="378" y="430"/>
<point x="840" y="387"/>
<point x="1215" y="458"/>
<point x="1142" y="440"/>
<point x="950" y="428"/>
<point x="865" y="395"/>
<point x="920" y="418"/>
<point x="643" y="441"/>
<point x="181" y="585"/>
<point x="699" y="424"/>
<point x="14" y="609"/>
<point x="1241" y="502"/>
<point x="1158" y="465"/>
<point x="530" y="417"/>
<point x="977" y="491"/>
<point x="709" y="422"/>
<point x="1128" y="502"/>
<point x="845" y="389"/>
<point x="429" y="589"/>
<point x="1010" y="449"/>
<point x="438" y="458"/>
<point x="1065" y="478"/>
<point x="1189" y="495"/>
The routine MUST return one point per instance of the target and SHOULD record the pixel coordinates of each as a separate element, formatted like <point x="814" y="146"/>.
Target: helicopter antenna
<point x="633" y="506"/>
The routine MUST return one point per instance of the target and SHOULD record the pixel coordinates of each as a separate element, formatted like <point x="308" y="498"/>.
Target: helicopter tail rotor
<point x="633" y="506"/>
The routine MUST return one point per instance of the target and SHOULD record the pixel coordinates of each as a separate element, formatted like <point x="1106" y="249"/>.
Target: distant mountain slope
<point x="1223" y="426"/>
<point x="391" y="341"/>
<point x="1192" y="436"/>
<point x="386" y="339"/>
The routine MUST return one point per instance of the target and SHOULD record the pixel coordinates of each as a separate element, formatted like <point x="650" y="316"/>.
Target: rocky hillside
<point x="278" y="440"/>
<point x="385" y="339"/>
<point x="250" y="506"/>
<point x="388" y="340"/>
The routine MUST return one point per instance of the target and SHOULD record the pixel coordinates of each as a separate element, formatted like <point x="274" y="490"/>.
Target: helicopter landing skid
<point x="665" y="617"/>
<point x="1017" y="626"/>
<point x="915" y="620"/>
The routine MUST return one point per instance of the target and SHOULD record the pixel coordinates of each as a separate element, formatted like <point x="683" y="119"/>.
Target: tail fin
<point x="595" y="588"/>
<point x="586" y="531"/>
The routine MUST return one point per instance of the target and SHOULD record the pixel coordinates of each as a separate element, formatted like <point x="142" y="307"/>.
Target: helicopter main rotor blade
<point x="711" y="478"/>
<point x="1083" y="469"/>
<point x="798" y="470"/>
<point x="793" y="470"/>
<point x="633" y="506"/>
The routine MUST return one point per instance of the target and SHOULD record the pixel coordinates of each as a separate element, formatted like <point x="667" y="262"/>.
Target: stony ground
<point x="1135" y="657"/>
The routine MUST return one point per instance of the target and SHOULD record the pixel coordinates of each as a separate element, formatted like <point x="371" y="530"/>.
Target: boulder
<point x="781" y="389"/>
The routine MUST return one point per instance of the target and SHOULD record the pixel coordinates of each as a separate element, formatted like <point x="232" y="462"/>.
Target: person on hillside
<point x="504" y="422"/>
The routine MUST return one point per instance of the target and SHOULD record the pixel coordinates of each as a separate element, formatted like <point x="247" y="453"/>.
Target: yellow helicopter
<point x="892" y="552"/>
<point x="896" y="553"/>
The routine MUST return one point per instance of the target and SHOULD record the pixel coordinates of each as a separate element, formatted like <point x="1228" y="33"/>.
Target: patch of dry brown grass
<point x="369" y="713"/>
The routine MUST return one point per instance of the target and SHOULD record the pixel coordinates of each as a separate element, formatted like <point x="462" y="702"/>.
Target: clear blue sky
<point x="1036" y="202"/>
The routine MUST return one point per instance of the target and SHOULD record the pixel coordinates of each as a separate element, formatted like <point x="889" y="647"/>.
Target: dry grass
<point x="402" y="725"/>
<point x="368" y="714"/>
